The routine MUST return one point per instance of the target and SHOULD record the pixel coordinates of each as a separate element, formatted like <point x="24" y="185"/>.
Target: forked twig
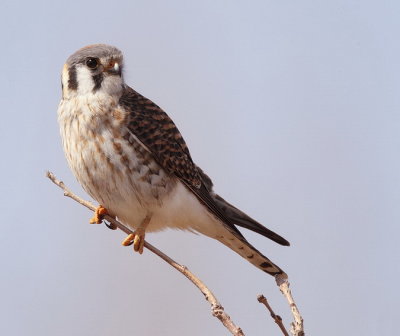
<point x="278" y="320"/>
<point x="216" y="308"/>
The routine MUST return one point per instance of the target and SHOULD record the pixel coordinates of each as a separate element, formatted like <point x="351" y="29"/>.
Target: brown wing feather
<point x="155" y="129"/>
<point x="152" y="126"/>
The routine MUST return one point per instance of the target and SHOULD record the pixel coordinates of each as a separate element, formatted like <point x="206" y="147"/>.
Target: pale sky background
<point x="292" y="107"/>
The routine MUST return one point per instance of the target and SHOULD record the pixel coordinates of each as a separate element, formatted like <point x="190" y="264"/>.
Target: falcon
<point x="130" y="157"/>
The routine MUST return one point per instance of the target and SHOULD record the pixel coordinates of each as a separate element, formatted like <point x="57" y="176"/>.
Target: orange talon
<point x="137" y="237"/>
<point x="128" y="240"/>
<point x="98" y="215"/>
<point x="138" y="241"/>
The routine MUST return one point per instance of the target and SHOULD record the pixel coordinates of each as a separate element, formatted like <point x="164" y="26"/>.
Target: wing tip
<point x="285" y="243"/>
<point x="278" y="239"/>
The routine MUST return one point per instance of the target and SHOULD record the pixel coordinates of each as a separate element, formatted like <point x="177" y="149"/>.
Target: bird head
<point x="94" y="69"/>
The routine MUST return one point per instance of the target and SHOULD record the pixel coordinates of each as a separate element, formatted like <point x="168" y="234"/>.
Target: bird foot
<point x="98" y="215"/>
<point x="137" y="239"/>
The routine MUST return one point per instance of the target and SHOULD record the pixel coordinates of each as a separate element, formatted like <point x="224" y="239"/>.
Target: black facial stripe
<point x="97" y="79"/>
<point x="72" y="81"/>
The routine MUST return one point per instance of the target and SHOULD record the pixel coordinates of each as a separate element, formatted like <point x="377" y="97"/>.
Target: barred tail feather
<point x="242" y="247"/>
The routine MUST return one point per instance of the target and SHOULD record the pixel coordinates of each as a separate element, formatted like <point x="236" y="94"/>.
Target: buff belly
<point x="120" y="174"/>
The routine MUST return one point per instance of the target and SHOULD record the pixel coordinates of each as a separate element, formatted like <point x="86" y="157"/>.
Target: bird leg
<point x="98" y="215"/>
<point x="137" y="237"/>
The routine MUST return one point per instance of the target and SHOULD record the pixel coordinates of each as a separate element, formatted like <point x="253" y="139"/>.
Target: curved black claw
<point x="111" y="226"/>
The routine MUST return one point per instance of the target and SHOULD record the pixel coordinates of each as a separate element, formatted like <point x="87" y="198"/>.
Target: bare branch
<point x="278" y="320"/>
<point x="216" y="308"/>
<point x="297" y="328"/>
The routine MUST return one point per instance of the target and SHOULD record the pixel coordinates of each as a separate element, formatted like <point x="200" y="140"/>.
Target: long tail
<point x="242" y="247"/>
<point x="230" y="236"/>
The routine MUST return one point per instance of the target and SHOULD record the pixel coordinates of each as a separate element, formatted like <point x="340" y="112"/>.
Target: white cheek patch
<point x="85" y="80"/>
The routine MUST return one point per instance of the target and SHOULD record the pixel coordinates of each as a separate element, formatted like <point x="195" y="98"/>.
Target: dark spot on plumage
<point x="146" y="161"/>
<point x="109" y="163"/>
<point x="97" y="79"/>
<point x="146" y="178"/>
<point x="265" y="264"/>
<point x="127" y="137"/>
<point x="118" y="147"/>
<point x="250" y="256"/>
<point x="106" y="122"/>
<point x="241" y="248"/>
<point x="72" y="79"/>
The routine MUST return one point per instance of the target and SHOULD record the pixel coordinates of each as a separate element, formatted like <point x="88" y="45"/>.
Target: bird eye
<point x="92" y="63"/>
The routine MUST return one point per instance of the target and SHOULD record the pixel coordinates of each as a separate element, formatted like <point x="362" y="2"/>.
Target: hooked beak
<point x="113" y="68"/>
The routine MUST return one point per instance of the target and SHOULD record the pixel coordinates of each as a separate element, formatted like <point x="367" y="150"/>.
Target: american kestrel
<point x="131" y="158"/>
